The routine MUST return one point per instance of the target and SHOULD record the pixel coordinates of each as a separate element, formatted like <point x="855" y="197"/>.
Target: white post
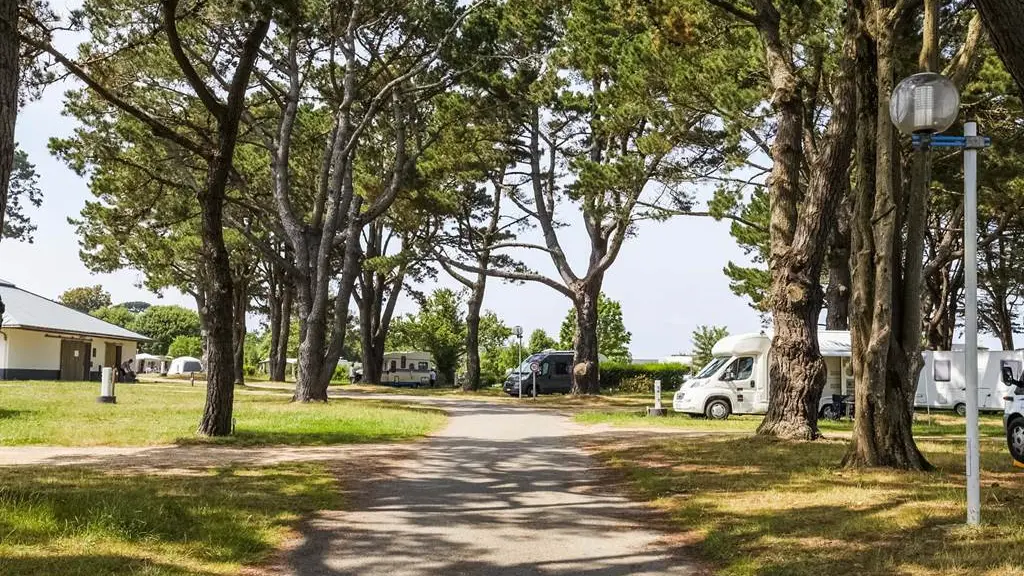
<point x="657" y="394"/>
<point x="534" y="372"/>
<point x="971" y="325"/>
<point x="520" y="368"/>
<point x="107" y="387"/>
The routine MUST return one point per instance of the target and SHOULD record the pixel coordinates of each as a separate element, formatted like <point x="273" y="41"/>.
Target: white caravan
<point x="736" y="379"/>
<point x="942" y="384"/>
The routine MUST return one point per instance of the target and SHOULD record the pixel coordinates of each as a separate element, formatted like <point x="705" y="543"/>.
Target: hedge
<point x="639" y="378"/>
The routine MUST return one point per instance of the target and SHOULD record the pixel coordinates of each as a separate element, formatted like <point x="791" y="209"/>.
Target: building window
<point x="394" y="365"/>
<point x="403" y="363"/>
<point x="941" y="371"/>
<point x="423" y="366"/>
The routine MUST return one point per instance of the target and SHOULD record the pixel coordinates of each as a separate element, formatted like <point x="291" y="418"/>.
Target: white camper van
<point x="942" y="384"/>
<point x="736" y="379"/>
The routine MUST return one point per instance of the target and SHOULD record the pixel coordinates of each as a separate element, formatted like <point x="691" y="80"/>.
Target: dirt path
<point x="171" y="459"/>
<point x="501" y="491"/>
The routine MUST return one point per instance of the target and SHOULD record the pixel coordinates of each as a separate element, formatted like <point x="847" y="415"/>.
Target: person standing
<point x="433" y="378"/>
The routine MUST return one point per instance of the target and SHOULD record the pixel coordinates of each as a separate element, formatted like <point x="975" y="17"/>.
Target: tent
<point x="185" y="365"/>
<point x="149" y="363"/>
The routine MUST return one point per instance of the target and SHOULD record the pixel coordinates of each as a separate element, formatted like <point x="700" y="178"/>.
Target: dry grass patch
<point x="758" y="506"/>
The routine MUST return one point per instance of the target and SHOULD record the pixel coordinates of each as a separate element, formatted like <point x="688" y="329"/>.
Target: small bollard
<point x="107" y="387"/>
<point x="657" y="410"/>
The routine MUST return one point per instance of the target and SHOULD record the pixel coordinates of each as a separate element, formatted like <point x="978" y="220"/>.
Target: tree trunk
<point x="586" y="365"/>
<point x="279" y="352"/>
<point x="8" y="103"/>
<point x="1004" y="20"/>
<point x="220" y="370"/>
<point x="309" y="383"/>
<point x="886" y="321"/>
<point x="800" y="227"/>
<point x="241" y="306"/>
<point x="8" y="97"/>
<point x="476" y="301"/>
<point x="837" y="295"/>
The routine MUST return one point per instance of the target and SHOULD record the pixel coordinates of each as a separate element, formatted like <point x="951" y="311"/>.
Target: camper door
<point x="740" y="375"/>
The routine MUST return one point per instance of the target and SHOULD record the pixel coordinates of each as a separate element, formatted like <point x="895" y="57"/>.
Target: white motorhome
<point x="735" y="381"/>
<point x="942" y="384"/>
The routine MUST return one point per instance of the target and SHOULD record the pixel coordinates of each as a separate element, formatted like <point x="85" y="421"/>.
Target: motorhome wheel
<point x="960" y="409"/>
<point x="717" y="409"/>
<point x="828" y="412"/>
<point x="1015" y="438"/>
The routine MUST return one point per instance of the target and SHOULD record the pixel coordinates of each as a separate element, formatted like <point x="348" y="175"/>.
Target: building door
<point x="111" y="355"/>
<point x="74" y="356"/>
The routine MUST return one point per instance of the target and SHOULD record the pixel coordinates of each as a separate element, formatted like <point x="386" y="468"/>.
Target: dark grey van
<point x="555" y="374"/>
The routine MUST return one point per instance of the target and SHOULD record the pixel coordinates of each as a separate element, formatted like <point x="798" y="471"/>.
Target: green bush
<point x="340" y="374"/>
<point x="639" y="378"/>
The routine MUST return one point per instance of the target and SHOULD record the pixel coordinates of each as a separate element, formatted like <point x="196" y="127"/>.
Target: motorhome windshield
<point x="711" y="367"/>
<point x="524" y="368"/>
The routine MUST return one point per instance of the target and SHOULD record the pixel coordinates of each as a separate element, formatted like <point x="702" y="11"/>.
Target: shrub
<point x="639" y="378"/>
<point x="340" y="373"/>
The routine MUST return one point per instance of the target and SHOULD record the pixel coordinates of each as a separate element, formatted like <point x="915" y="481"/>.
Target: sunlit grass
<point x="67" y="414"/>
<point x="78" y="521"/>
<point x="760" y="506"/>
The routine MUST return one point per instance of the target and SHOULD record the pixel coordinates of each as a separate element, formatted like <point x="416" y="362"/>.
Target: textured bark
<point x="800" y="229"/>
<point x="8" y="98"/>
<point x="473" y="306"/>
<point x="1004" y="20"/>
<point x="280" y="305"/>
<point x="887" y="237"/>
<point x="217" y="420"/>
<point x="837" y="295"/>
<point x="585" y="371"/>
<point x="240" y="309"/>
<point x="8" y="103"/>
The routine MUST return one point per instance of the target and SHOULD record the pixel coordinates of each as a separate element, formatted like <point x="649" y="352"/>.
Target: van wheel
<point x="1015" y="438"/>
<point x="828" y="412"/>
<point x="717" y="409"/>
<point x="960" y="409"/>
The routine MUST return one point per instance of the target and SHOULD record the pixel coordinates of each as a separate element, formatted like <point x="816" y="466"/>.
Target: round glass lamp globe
<point x="925" y="103"/>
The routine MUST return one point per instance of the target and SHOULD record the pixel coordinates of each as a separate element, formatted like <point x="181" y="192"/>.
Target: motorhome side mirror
<point x="1008" y="375"/>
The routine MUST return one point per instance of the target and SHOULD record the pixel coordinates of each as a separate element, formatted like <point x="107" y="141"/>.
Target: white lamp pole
<point x="924" y="105"/>
<point x="971" y="324"/>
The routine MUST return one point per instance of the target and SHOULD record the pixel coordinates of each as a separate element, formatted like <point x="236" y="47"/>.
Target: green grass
<point x="67" y="414"/>
<point x="938" y="424"/>
<point x="757" y="506"/>
<point x="85" y="522"/>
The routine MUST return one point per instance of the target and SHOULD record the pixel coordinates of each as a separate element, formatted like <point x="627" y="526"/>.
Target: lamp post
<point x="924" y="105"/>
<point x="518" y="331"/>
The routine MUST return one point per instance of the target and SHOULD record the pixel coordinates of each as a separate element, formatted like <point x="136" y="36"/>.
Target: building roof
<point x="33" y="312"/>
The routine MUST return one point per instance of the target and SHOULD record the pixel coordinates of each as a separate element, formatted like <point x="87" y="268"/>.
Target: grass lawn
<point x="67" y="414"/>
<point x="938" y="424"/>
<point x="758" y="506"/>
<point x="86" y="522"/>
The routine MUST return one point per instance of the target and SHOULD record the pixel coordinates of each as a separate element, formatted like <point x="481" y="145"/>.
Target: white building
<point x="43" y="340"/>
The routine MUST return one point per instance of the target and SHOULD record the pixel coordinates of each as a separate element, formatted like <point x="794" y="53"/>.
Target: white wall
<point x="33" y="350"/>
